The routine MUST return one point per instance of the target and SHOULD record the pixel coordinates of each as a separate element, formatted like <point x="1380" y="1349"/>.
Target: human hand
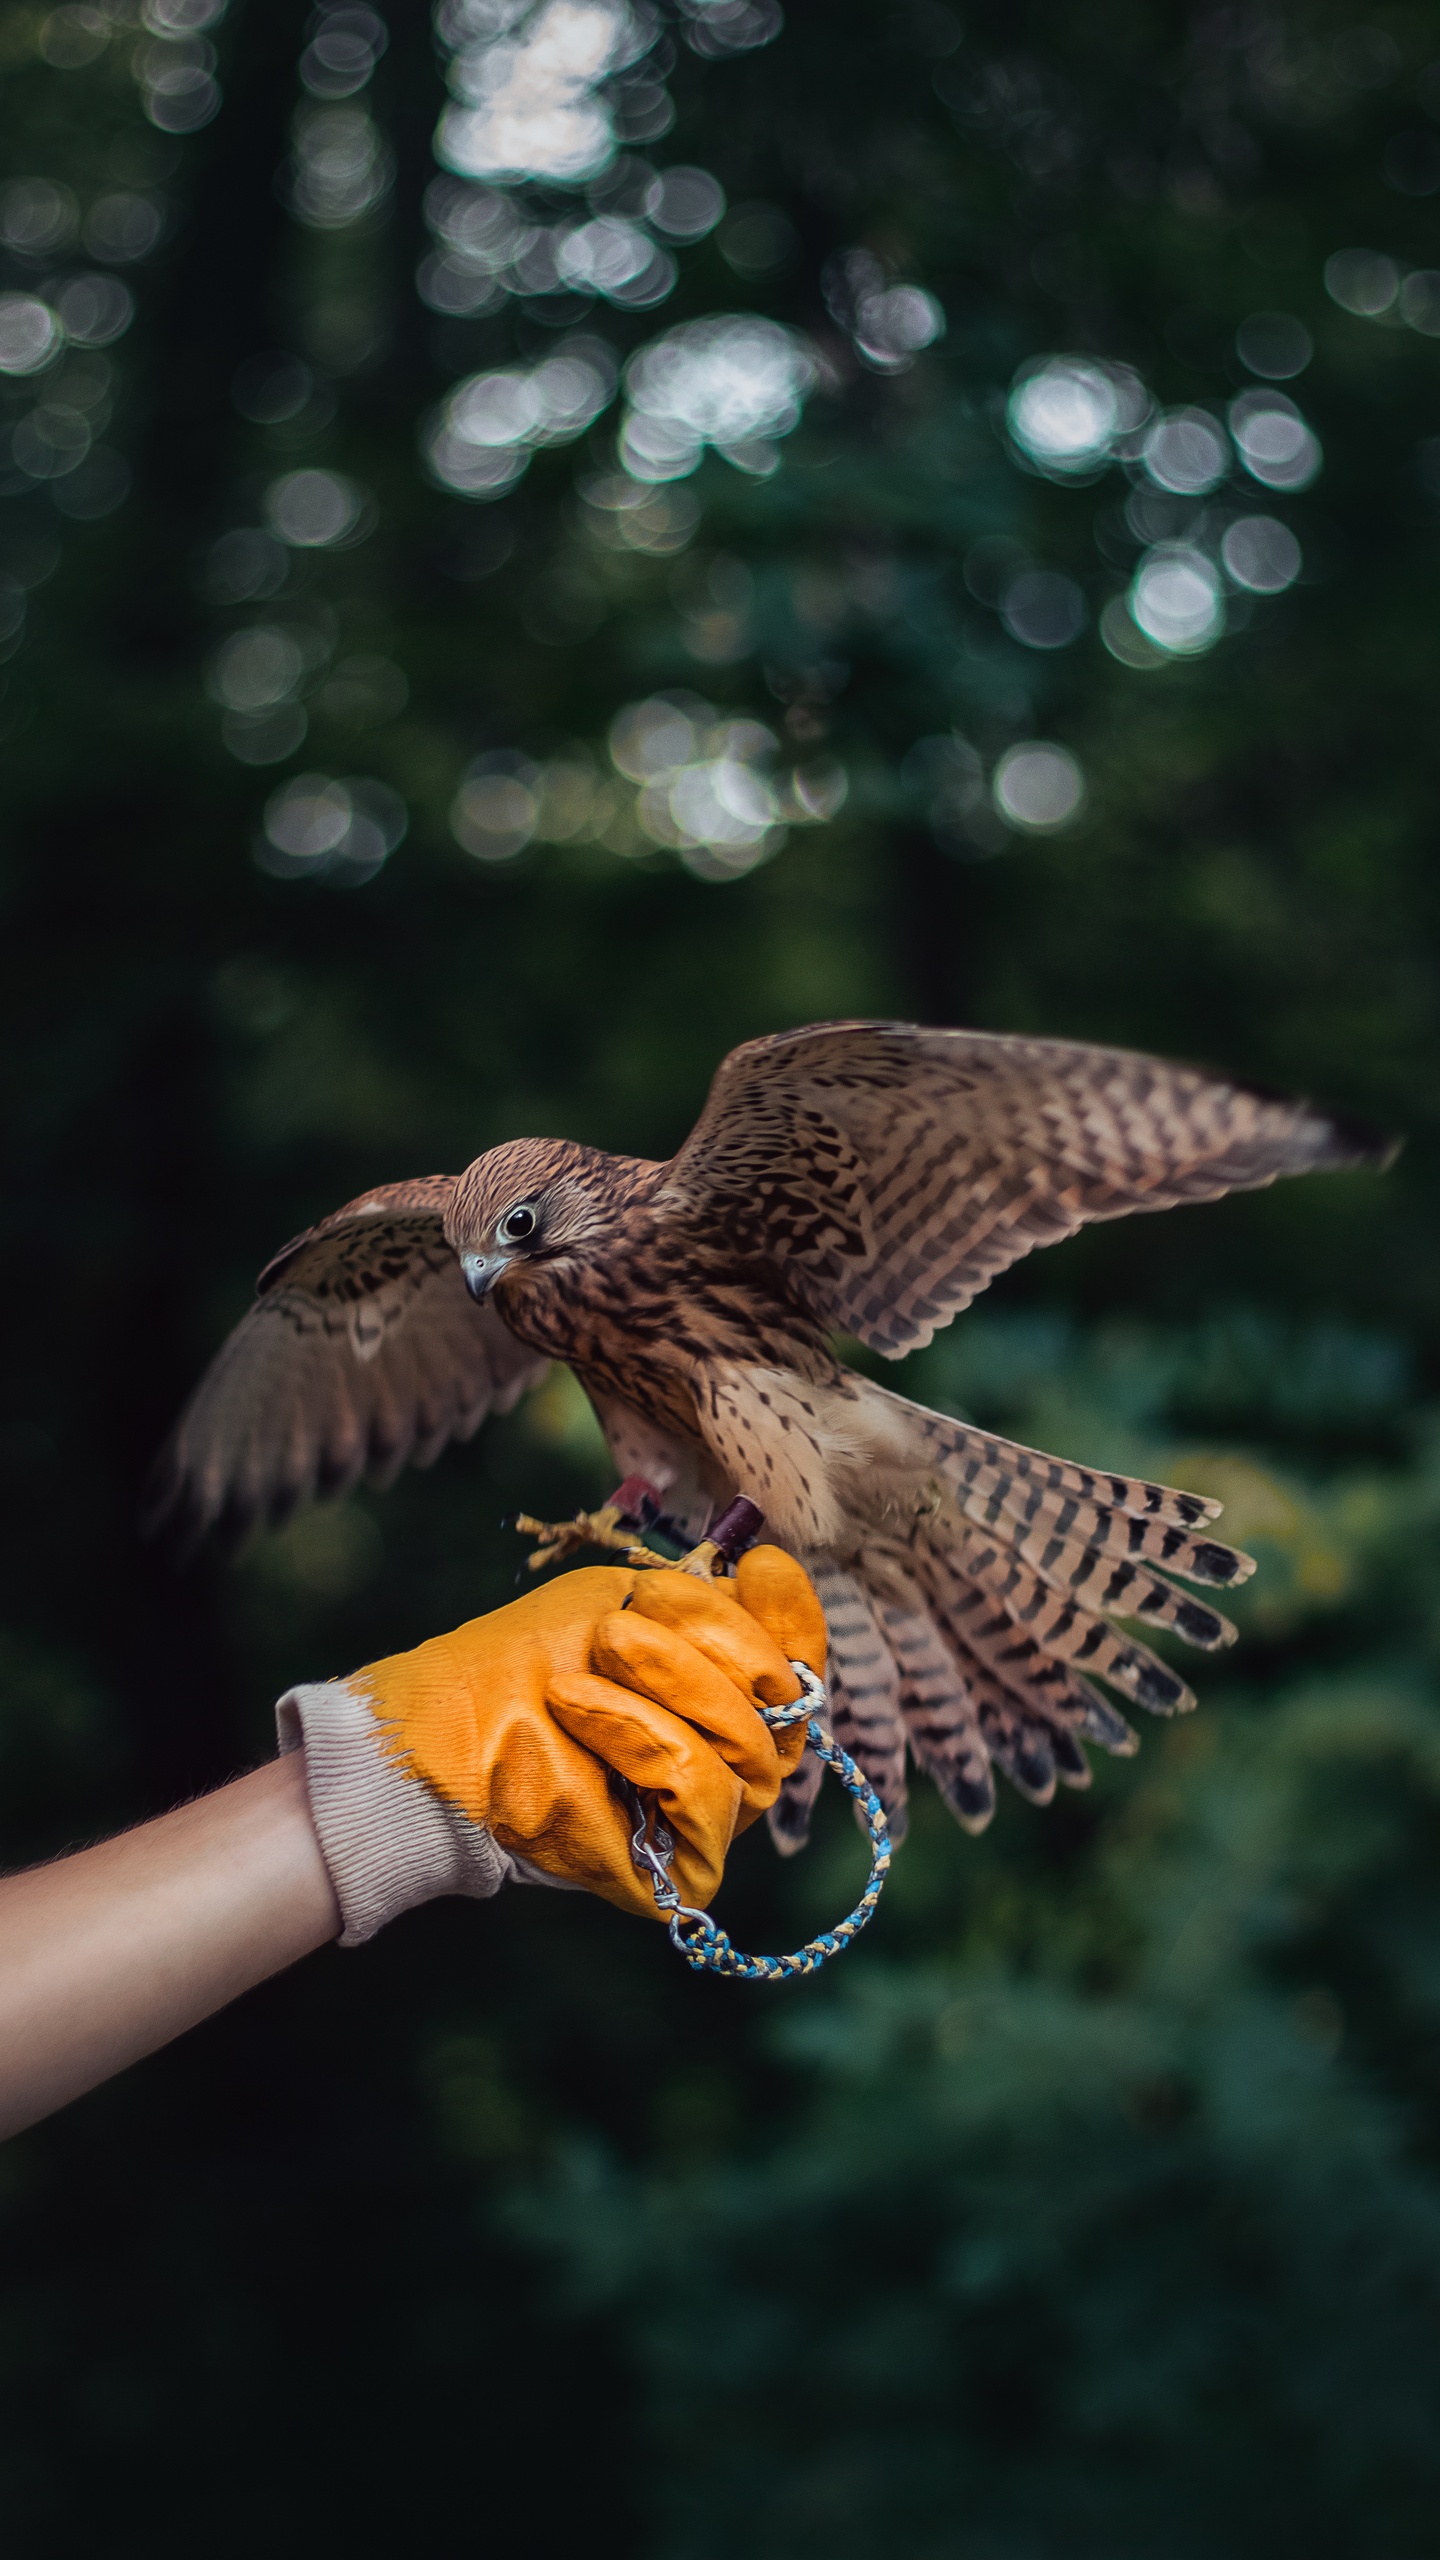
<point x="485" y="1754"/>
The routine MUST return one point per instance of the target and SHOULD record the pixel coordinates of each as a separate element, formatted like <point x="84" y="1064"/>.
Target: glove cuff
<point x="387" y="1841"/>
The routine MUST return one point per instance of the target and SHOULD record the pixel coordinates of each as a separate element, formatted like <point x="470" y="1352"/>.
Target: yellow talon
<point x="562" y="1539"/>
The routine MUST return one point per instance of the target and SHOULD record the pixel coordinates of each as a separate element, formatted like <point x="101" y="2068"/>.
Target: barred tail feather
<point x="1021" y="1745"/>
<point x="1110" y="1530"/>
<point x="975" y="1609"/>
<point x="1100" y="1721"/>
<point x="942" y="1725"/>
<point x="1012" y="1618"/>
<point x="789" y="1815"/>
<point x="1122" y="1589"/>
<point x="865" y="1692"/>
<point x="975" y="1462"/>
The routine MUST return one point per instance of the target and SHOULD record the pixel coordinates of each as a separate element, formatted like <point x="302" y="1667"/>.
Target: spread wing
<point x="893" y="1171"/>
<point x="363" y="1351"/>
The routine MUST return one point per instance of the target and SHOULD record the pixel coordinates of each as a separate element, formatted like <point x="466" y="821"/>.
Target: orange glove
<point x="484" y="1756"/>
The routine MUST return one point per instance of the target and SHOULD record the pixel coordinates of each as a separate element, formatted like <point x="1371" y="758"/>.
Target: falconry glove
<point x="486" y="1756"/>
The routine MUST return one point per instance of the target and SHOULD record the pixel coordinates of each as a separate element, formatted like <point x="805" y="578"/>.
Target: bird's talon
<point x="561" y="1539"/>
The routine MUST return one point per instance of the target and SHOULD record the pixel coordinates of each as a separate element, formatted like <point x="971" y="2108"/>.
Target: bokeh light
<point x="718" y="27"/>
<point x="342" y="168"/>
<point x="1042" y="609"/>
<point x="658" y="736"/>
<point x="122" y="228"/>
<point x="543" y="91"/>
<point x="615" y="258"/>
<point x="478" y="231"/>
<point x="703" y="784"/>
<point x="891" y="326"/>
<point x="488" y="249"/>
<point x="342" y="52"/>
<point x="480" y="440"/>
<point x="1362" y="281"/>
<point x="313" y="510"/>
<point x="1176" y="599"/>
<point x="273" y="389"/>
<point x="1186" y="452"/>
<point x="1261" y="554"/>
<point x="889" y="323"/>
<point x="253" y="670"/>
<point x="51" y="439"/>
<point x="1038" y="786"/>
<point x="341" y="831"/>
<point x="737" y="384"/>
<point x="30" y="333"/>
<point x="684" y="203"/>
<point x="72" y="37"/>
<point x="1420" y="301"/>
<point x="1275" y="443"/>
<point x="707" y="790"/>
<point x="181" y="17"/>
<point x="1068" y="414"/>
<point x="95" y="309"/>
<point x="496" y="809"/>
<point x="630" y="515"/>
<point x="526" y="82"/>
<point x="37" y="217"/>
<point x="1275" y="344"/>
<point x="175" y="71"/>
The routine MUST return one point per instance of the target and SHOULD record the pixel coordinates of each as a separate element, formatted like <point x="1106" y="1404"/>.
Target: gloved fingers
<point x="716" y="1620"/>
<point x="700" y="1797"/>
<point x="780" y="1595"/>
<point x="659" y="1663"/>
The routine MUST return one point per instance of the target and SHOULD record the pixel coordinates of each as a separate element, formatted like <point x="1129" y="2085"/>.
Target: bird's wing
<point x="893" y="1171"/>
<point x="363" y="1350"/>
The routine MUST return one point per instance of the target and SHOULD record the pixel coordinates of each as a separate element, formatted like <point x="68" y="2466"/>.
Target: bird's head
<point x="533" y="1202"/>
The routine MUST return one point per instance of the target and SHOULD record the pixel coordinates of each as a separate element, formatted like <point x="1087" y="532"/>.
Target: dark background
<point x="1094" y="2206"/>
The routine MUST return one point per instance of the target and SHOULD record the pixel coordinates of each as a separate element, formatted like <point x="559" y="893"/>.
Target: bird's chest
<point x="646" y="1321"/>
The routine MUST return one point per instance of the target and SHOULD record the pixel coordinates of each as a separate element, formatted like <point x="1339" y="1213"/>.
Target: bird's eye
<point x="516" y="1225"/>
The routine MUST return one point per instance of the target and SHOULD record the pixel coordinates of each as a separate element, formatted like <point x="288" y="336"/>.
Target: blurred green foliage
<point x="1093" y="2206"/>
<point x="1102" y="2215"/>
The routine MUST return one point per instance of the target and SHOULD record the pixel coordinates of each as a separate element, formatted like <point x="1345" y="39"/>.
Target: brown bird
<point x="860" y="1178"/>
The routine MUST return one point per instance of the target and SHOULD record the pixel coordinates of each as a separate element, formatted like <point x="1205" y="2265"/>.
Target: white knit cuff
<point x="387" y="1841"/>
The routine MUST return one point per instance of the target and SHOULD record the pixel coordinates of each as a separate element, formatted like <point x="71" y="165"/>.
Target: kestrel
<point x="866" y="1179"/>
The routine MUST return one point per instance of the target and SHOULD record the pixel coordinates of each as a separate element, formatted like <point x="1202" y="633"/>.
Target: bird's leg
<point x="561" y="1539"/>
<point x="635" y="1504"/>
<point x="725" y="1541"/>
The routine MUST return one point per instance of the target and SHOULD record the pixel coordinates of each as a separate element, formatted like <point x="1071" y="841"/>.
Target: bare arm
<point x="109" y="1953"/>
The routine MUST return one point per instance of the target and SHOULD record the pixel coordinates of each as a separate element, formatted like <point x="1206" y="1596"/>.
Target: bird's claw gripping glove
<point x="486" y="1755"/>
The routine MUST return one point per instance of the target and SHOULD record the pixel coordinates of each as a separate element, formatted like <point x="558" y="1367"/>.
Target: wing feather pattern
<point x="362" y="1354"/>
<point x="893" y="1171"/>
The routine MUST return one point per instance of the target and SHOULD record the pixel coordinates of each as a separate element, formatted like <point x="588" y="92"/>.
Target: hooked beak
<point x="482" y="1270"/>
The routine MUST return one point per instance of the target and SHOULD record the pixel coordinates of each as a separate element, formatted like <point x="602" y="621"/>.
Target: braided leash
<point x="636" y="1507"/>
<point x="700" y="1940"/>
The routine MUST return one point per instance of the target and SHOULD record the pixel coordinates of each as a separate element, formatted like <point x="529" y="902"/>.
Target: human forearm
<point x="476" y="1759"/>
<point x="106" y="1955"/>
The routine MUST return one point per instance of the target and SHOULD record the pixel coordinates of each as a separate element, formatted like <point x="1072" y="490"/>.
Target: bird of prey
<point x="861" y="1179"/>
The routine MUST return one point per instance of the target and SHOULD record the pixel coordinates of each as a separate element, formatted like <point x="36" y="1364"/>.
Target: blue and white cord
<point x="700" y="1940"/>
